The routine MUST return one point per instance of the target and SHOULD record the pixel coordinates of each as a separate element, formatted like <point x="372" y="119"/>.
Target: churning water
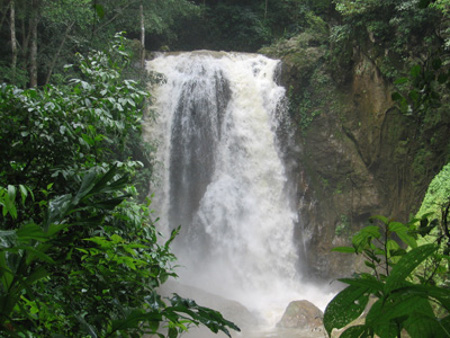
<point x="223" y="180"/>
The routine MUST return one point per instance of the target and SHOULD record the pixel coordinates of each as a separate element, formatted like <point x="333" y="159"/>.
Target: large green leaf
<point x="440" y="294"/>
<point x="403" y="232"/>
<point x="91" y="330"/>
<point x="392" y="247"/>
<point x="419" y="325"/>
<point x="31" y="231"/>
<point x="400" y="306"/>
<point x="173" y="332"/>
<point x="6" y="275"/>
<point x="32" y="253"/>
<point x="344" y="249"/>
<point x="134" y="318"/>
<point x="55" y="228"/>
<point x="404" y="309"/>
<point x="110" y="204"/>
<point x="58" y="208"/>
<point x="104" y="180"/>
<point x="7" y="238"/>
<point x="24" y="193"/>
<point x="345" y="307"/>
<point x="10" y="201"/>
<point x="7" y="200"/>
<point x="445" y="325"/>
<point x="358" y="331"/>
<point x="406" y="265"/>
<point x="381" y="218"/>
<point x="38" y="274"/>
<point x="190" y="310"/>
<point x="364" y="236"/>
<point x="86" y="187"/>
<point x="369" y="282"/>
<point x="416" y="71"/>
<point x="380" y="325"/>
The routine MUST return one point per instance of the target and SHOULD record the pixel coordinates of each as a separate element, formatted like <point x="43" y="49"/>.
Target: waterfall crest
<point x="222" y="177"/>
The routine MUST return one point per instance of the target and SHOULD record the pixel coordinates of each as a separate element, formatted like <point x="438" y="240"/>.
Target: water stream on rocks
<point x="223" y="179"/>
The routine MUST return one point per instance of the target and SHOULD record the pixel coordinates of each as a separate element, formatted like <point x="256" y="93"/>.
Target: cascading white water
<point x="223" y="178"/>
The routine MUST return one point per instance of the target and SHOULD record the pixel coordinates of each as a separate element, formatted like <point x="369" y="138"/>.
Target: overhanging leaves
<point x="406" y="265"/>
<point x="353" y="299"/>
<point x="344" y="249"/>
<point x="403" y="232"/>
<point x="134" y="318"/>
<point x="371" y="283"/>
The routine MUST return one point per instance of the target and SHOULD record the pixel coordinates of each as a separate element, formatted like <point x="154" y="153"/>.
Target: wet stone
<point x="302" y="315"/>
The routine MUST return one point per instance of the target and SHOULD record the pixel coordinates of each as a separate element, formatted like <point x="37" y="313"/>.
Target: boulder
<point x="301" y="314"/>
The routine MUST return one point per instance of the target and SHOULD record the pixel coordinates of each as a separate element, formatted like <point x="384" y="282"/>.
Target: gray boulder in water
<point x="301" y="314"/>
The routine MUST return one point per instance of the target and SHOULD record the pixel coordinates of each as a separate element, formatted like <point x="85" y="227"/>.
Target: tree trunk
<point x="33" y="46"/>
<point x="4" y="14"/>
<point x="25" y="38"/>
<point x="58" y="52"/>
<point x="141" y="12"/>
<point x="266" y="4"/>
<point x="12" y="26"/>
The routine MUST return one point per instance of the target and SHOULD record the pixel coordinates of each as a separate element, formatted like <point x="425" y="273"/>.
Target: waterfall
<point x="222" y="177"/>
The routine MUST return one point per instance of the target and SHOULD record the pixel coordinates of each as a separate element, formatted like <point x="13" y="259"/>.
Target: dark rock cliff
<point x="357" y="155"/>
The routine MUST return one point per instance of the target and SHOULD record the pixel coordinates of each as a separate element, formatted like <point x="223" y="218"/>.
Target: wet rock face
<point x="301" y="315"/>
<point x="341" y="159"/>
<point x="357" y="155"/>
<point x="339" y="135"/>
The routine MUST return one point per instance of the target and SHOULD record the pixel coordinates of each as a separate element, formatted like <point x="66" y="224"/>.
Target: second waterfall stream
<point x="222" y="178"/>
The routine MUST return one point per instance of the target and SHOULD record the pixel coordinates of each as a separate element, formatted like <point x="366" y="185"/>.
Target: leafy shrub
<point x="391" y="30"/>
<point x="403" y="298"/>
<point x="79" y="254"/>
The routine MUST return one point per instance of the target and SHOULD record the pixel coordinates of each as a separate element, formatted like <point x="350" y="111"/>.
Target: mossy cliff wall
<point x="355" y="154"/>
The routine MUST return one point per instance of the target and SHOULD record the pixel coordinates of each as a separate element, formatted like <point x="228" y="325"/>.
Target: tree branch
<point x="12" y="26"/>
<point x="58" y="52"/>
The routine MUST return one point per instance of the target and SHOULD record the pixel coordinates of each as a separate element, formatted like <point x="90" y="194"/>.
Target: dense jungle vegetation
<point x="80" y="254"/>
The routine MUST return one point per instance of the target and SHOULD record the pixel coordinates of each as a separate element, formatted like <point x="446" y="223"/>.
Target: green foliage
<point x="391" y="32"/>
<point x="58" y="132"/>
<point x="79" y="254"/>
<point x="444" y="6"/>
<point x="343" y="227"/>
<point x="55" y="281"/>
<point x="423" y="81"/>
<point x="248" y="25"/>
<point x="422" y="97"/>
<point x="20" y="77"/>
<point x="403" y="299"/>
<point x="301" y="108"/>
<point x="316" y="25"/>
<point x="69" y="26"/>
<point x="355" y="7"/>
<point x="161" y="19"/>
<point x="236" y="28"/>
<point x="437" y="194"/>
